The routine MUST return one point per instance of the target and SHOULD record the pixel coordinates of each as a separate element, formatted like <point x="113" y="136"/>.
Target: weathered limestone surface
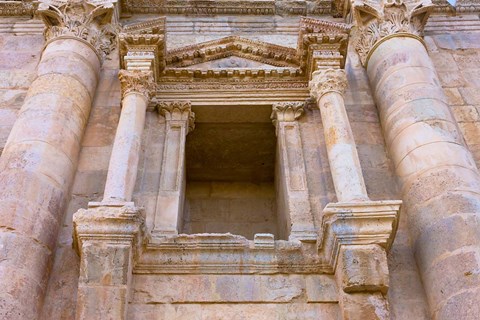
<point x="439" y="177"/>
<point x="455" y="57"/>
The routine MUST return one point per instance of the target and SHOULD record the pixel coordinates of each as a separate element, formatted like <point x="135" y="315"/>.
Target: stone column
<point x="137" y="87"/>
<point x="328" y="87"/>
<point x="440" y="182"/>
<point x="171" y="195"/>
<point x="296" y="220"/>
<point x="40" y="158"/>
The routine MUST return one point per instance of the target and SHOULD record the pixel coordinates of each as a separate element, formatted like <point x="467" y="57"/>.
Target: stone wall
<point x="456" y="58"/>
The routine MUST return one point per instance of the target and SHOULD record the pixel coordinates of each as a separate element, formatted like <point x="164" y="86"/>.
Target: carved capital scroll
<point x="378" y="21"/>
<point x="178" y="110"/>
<point x="137" y="81"/>
<point x="328" y="80"/>
<point x="89" y="21"/>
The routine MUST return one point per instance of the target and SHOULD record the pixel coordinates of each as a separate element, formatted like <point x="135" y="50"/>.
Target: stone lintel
<point x="357" y="224"/>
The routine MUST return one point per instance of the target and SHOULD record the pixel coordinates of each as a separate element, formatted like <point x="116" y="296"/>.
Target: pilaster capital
<point x="288" y="111"/>
<point x="137" y="81"/>
<point x="328" y="80"/>
<point x="179" y="110"/>
<point x="88" y="21"/>
<point x="357" y="224"/>
<point x="108" y="223"/>
<point x="378" y="21"/>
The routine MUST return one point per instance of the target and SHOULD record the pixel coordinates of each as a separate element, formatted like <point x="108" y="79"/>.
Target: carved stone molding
<point x="107" y="223"/>
<point x="142" y="46"/>
<point x="177" y="110"/>
<point x="378" y="20"/>
<point x="328" y="80"/>
<point x="89" y="21"/>
<point x="18" y="8"/>
<point x="358" y="223"/>
<point x="287" y="111"/>
<point x="137" y="81"/>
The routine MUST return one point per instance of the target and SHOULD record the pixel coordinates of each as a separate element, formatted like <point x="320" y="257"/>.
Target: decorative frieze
<point x="18" y="8"/>
<point x="328" y="80"/>
<point x="89" y="21"/>
<point x="377" y="21"/>
<point x="137" y="81"/>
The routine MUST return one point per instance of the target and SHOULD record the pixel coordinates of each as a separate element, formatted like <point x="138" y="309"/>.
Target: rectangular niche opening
<point x="230" y="162"/>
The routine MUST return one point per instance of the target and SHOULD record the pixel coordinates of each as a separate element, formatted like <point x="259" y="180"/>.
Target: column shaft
<point x="37" y="168"/>
<point x="122" y="170"/>
<point x="328" y="86"/>
<point x="441" y="184"/>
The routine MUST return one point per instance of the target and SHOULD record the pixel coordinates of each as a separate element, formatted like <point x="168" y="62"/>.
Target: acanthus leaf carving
<point x="89" y="21"/>
<point x="375" y="21"/>
<point x="328" y="80"/>
<point x="288" y="111"/>
<point x="137" y="81"/>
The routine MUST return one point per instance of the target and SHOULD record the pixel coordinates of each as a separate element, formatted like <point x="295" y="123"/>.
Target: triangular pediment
<point x="232" y="62"/>
<point x="233" y="52"/>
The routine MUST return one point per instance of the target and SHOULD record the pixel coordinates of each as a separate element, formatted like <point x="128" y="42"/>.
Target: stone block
<point x="363" y="269"/>
<point x="471" y="95"/>
<point x="465" y="113"/>
<point x="98" y="302"/>
<point x="443" y="61"/>
<point x="359" y="306"/>
<point x="89" y="183"/>
<point x="321" y="288"/>
<point x="105" y="264"/>
<point x="154" y="289"/>
<point x="16" y="79"/>
<point x="451" y="78"/>
<point x="102" y="126"/>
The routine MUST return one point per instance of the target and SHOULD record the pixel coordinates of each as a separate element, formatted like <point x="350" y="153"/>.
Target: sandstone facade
<point x="247" y="159"/>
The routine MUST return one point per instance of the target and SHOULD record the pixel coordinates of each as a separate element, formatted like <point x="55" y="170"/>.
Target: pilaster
<point x="179" y="121"/>
<point x="291" y="183"/>
<point x="107" y="239"/>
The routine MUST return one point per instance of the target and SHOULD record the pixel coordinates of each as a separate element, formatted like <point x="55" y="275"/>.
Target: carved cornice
<point x="287" y="111"/>
<point x="89" y="21"/>
<point x="322" y="43"/>
<point x="18" y="8"/>
<point x="142" y="46"/>
<point x="328" y="80"/>
<point x="357" y="223"/>
<point x="137" y="81"/>
<point x="178" y="111"/>
<point x="267" y="53"/>
<point x="378" y="20"/>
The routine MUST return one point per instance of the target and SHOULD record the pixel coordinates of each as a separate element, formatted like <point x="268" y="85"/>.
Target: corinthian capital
<point x="378" y="20"/>
<point x="287" y="111"/>
<point x="137" y="81"/>
<point x="328" y="80"/>
<point x="89" y="21"/>
<point x="178" y="111"/>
